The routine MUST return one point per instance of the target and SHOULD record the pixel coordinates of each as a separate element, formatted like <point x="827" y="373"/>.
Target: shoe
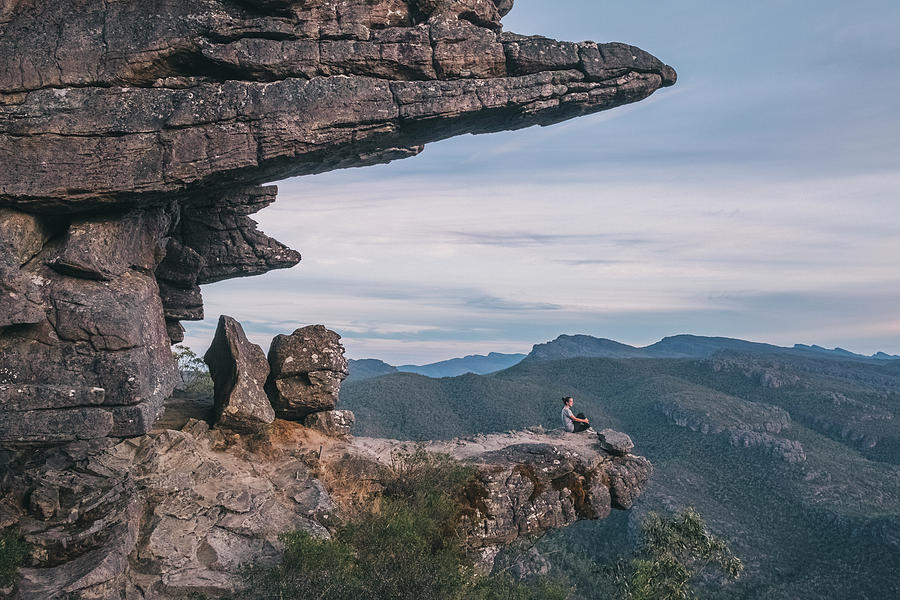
<point x="590" y="430"/>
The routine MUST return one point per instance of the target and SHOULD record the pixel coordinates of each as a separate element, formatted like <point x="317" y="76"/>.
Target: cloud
<point x="494" y="303"/>
<point x="766" y="260"/>
<point x="581" y="262"/>
<point x="518" y="239"/>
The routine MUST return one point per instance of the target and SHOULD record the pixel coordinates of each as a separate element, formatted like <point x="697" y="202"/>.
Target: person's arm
<point x="576" y="419"/>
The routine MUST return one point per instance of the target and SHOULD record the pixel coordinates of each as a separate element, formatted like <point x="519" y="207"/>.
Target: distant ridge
<point x="474" y="363"/>
<point x="478" y="364"/>
<point x="368" y="368"/>
<point x="679" y="346"/>
<point x="586" y="346"/>
<point x="845" y="353"/>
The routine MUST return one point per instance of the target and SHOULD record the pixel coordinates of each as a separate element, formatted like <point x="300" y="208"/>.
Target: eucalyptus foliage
<point x="673" y="552"/>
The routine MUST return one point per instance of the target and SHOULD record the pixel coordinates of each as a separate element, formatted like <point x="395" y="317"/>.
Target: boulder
<point x="238" y="369"/>
<point x="104" y="247"/>
<point x="307" y="368"/>
<point x="615" y="442"/>
<point x="333" y="423"/>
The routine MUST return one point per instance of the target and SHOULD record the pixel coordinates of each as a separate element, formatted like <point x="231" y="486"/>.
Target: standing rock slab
<point x="238" y="369"/>
<point x="307" y="368"/>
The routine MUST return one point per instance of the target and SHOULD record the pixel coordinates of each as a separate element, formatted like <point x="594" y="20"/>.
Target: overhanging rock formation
<point x="134" y="137"/>
<point x="529" y="482"/>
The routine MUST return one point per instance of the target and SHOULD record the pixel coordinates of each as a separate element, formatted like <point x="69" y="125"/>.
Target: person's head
<point x="568" y="400"/>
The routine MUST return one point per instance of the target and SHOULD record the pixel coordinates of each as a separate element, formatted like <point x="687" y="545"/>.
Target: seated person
<point x="571" y="422"/>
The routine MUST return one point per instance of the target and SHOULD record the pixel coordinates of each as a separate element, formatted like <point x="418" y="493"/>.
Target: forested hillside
<point x="792" y="459"/>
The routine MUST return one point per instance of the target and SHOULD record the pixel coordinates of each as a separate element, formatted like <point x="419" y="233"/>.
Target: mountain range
<point x="572" y="346"/>
<point x="791" y="454"/>
<point x="478" y="364"/>
<point x="678" y="346"/>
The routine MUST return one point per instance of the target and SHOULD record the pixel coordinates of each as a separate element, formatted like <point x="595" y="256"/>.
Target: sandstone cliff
<point x="178" y="511"/>
<point x="134" y="141"/>
<point x="134" y="137"/>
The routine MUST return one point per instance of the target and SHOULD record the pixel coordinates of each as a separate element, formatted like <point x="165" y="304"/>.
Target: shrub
<point x="13" y="550"/>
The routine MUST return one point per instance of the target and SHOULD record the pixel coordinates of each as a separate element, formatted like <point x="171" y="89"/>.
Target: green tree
<point x="193" y="371"/>
<point x="673" y="552"/>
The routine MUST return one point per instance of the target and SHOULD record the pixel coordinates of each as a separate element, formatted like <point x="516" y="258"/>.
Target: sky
<point x="757" y="198"/>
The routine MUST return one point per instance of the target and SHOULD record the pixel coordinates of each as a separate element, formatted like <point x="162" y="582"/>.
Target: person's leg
<point x="580" y="426"/>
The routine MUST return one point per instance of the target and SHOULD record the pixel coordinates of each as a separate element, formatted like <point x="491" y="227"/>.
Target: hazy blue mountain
<point x="367" y="368"/>
<point x="677" y="346"/>
<point x="586" y="346"/>
<point x="474" y="363"/>
<point x="793" y="457"/>
<point x="845" y="353"/>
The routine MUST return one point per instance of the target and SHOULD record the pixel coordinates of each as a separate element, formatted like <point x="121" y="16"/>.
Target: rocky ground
<point x="176" y="511"/>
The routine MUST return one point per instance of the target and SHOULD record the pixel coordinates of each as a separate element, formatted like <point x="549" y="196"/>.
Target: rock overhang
<point x="192" y="99"/>
<point x="135" y="136"/>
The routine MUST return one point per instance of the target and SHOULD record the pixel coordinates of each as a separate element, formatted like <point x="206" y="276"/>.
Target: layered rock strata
<point x="134" y="137"/>
<point x="176" y="513"/>
<point x="529" y="482"/>
<point x="753" y="425"/>
<point x="133" y="103"/>
<point x="84" y="352"/>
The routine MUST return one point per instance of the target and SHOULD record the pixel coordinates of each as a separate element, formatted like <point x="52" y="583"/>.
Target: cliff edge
<point x="179" y="511"/>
